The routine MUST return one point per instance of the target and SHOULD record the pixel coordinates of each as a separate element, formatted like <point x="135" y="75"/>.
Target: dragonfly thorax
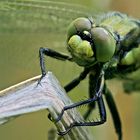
<point x="89" y="44"/>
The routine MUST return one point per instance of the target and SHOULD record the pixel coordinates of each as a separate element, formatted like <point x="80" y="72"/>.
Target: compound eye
<point x="80" y="24"/>
<point x="104" y="42"/>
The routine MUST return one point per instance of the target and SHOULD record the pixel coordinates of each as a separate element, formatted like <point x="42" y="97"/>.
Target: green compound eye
<point x="80" y="24"/>
<point x="104" y="42"/>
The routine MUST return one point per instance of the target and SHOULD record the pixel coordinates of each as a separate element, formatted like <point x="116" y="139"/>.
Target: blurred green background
<point x="23" y="30"/>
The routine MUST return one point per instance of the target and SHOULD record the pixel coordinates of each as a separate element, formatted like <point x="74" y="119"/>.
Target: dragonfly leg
<point x="92" y="90"/>
<point x="114" y="112"/>
<point x="76" y="81"/>
<point x="102" y="120"/>
<point x="75" y="105"/>
<point x="100" y="84"/>
<point x="51" y="53"/>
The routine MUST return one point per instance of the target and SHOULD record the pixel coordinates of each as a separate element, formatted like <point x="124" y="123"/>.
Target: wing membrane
<point x="34" y="15"/>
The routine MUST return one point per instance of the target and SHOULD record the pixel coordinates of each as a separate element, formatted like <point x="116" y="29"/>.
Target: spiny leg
<point x="51" y="53"/>
<point x="114" y="112"/>
<point x="76" y="81"/>
<point x="75" y="105"/>
<point x="102" y="120"/>
<point x="100" y="84"/>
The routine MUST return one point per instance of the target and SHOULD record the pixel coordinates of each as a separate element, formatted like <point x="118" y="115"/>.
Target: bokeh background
<point x="23" y="30"/>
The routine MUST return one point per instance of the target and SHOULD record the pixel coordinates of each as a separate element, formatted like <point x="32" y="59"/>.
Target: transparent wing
<point x="27" y="25"/>
<point x="37" y="16"/>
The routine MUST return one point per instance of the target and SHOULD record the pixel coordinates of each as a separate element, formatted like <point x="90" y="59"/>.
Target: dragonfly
<point x="106" y="46"/>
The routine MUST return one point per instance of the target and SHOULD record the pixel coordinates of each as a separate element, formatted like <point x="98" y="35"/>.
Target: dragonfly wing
<point x="38" y="16"/>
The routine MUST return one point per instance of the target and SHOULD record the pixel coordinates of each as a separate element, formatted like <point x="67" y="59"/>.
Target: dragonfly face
<point x="88" y="43"/>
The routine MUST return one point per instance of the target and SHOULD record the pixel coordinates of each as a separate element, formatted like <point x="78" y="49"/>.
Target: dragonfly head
<point x="89" y="44"/>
